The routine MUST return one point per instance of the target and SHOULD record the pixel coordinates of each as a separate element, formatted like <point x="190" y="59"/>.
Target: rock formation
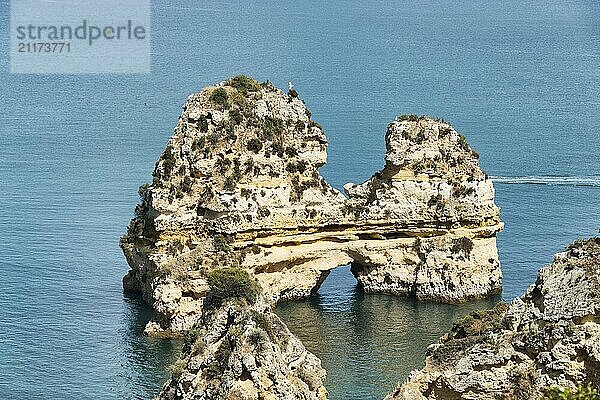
<point x="242" y="351"/>
<point x="548" y="337"/>
<point x="238" y="185"/>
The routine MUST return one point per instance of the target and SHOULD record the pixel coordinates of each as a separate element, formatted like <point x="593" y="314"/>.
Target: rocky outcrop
<point x="242" y="351"/>
<point x="238" y="185"/>
<point x="433" y="193"/>
<point x="548" y="337"/>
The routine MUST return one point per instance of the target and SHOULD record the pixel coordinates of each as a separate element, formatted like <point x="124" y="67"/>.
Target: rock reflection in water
<point x="368" y="342"/>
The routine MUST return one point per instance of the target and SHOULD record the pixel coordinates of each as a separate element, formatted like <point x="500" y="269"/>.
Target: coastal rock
<point x="243" y="351"/>
<point x="238" y="185"/>
<point x="549" y="337"/>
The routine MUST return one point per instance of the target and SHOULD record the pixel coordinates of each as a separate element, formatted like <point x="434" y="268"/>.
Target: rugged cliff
<point x="240" y="350"/>
<point x="238" y="185"/>
<point x="548" y="337"/>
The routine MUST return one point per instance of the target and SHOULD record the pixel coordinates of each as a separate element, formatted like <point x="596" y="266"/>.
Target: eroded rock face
<point x="238" y="185"/>
<point x="431" y="187"/>
<point x="244" y="352"/>
<point x="548" y="337"/>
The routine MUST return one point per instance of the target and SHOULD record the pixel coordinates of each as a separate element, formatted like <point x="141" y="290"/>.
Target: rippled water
<point x="519" y="78"/>
<point x="377" y="339"/>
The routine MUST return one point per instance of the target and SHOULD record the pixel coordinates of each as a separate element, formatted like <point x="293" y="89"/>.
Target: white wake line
<point x="549" y="180"/>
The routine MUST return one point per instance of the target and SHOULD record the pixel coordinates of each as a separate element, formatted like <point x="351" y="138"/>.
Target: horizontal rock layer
<point x="238" y="185"/>
<point x="549" y="337"/>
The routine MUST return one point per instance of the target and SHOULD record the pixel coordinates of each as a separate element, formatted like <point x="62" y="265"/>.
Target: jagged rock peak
<point x="430" y="147"/>
<point x="433" y="163"/>
<point x="241" y="350"/>
<point x="549" y="337"/>
<point x="233" y="144"/>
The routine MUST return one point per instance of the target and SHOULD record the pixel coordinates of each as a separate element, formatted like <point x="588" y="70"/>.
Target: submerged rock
<point x="548" y="337"/>
<point x="238" y="185"/>
<point x="241" y="350"/>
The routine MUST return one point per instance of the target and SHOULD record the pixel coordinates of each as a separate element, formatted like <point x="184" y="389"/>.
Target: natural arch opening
<point x="338" y="287"/>
<point x="366" y="340"/>
<point x="340" y="280"/>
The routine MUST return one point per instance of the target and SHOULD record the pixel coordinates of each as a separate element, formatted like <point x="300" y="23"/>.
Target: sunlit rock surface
<point x="238" y="185"/>
<point x="548" y="337"/>
<point x="243" y="351"/>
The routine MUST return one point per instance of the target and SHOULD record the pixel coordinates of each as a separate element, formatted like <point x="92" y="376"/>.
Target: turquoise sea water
<point x="521" y="79"/>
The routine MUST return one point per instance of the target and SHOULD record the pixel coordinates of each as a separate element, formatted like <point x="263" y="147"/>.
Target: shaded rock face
<point x="244" y="352"/>
<point x="548" y="337"/>
<point x="238" y="185"/>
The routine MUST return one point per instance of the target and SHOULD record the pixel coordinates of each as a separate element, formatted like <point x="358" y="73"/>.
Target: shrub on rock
<point x="220" y="97"/>
<point x="244" y="84"/>
<point x="231" y="283"/>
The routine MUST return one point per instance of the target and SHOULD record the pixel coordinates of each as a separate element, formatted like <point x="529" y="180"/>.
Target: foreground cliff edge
<point x="238" y="186"/>
<point x="549" y="337"/>
<point x="241" y="350"/>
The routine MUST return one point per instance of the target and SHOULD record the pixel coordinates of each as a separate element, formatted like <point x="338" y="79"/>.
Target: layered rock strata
<point x="238" y="185"/>
<point x="549" y="337"/>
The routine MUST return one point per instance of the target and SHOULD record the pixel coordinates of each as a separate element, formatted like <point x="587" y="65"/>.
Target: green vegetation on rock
<point x="168" y="160"/>
<point x="202" y="124"/>
<point x="480" y="322"/>
<point x="142" y="190"/>
<point x="462" y="245"/>
<point x="581" y="393"/>
<point x="272" y="127"/>
<point x="177" y="368"/>
<point x="254" y="145"/>
<point x="462" y="191"/>
<point x="220" y="243"/>
<point x="244" y="84"/>
<point x="220" y="97"/>
<point x="408" y="117"/>
<point x="231" y="283"/>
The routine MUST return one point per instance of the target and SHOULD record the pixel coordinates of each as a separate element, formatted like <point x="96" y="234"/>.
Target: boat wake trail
<point x="592" y="181"/>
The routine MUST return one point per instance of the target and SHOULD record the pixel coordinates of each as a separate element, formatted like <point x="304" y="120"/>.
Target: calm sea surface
<point x="520" y="78"/>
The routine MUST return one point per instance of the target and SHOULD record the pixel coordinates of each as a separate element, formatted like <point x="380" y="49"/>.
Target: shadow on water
<point x="145" y="359"/>
<point x="368" y="342"/>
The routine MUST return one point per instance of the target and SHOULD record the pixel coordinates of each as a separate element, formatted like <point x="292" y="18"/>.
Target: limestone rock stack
<point x="431" y="189"/>
<point x="238" y="185"/>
